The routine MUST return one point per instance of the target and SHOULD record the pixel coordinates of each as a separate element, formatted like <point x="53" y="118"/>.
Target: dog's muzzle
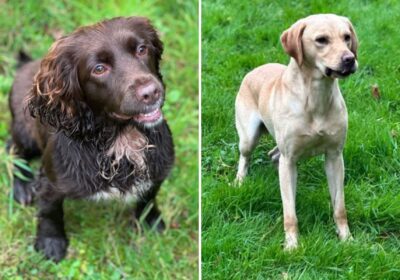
<point x="342" y="72"/>
<point x="348" y="66"/>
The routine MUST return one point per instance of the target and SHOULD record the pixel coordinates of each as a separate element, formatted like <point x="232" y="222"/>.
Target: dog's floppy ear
<point x="291" y="41"/>
<point x="56" y="97"/>
<point x="354" y="40"/>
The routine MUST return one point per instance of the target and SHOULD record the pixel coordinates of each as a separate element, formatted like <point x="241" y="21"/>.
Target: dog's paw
<point x="345" y="235"/>
<point x="289" y="247"/>
<point x="238" y="181"/>
<point x="54" y="248"/>
<point x="348" y="238"/>
<point x="149" y="219"/>
<point x="343" y="231"/>
<point x="23" y="192"/>
<point x="157" y="225"/>
<point x="290" y="242"/>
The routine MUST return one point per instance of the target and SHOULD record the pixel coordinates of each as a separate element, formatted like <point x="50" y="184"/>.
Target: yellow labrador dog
<point x="302" y="108"/>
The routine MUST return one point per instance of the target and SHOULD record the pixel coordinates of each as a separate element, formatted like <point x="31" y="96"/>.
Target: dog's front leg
<point x="51" y="238"/>
<point x="288" y="181"/>
<point x="334" y="168"/>
<point x="148" y="210"/>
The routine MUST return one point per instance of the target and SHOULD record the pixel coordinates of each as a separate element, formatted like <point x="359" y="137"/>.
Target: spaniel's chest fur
<point x="112" y="193"/>
<point x="129" y="146"/>
<point x="129" y="168"/>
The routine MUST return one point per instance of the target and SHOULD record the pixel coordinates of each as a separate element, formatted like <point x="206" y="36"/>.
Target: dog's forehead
<point x="115" y="29"/>
<point x="111" y="38"/>
<point x="122" y="36"/>
<point x="327" y="24"/>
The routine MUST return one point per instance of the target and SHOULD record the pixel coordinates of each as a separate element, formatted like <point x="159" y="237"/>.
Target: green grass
<point x="242" y="231"/>
<point x="103" y="244"/>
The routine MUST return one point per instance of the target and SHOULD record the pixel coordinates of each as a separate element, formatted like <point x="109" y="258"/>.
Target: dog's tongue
<point x="149" y="117"/>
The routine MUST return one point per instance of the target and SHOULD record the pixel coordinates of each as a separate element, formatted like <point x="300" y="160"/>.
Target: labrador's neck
<point x="316" y="91"/>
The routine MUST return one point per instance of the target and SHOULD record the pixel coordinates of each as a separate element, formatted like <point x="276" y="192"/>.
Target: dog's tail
<point x="22" y="59"/>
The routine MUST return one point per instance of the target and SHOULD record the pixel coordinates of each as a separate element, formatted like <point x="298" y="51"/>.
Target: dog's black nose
<point x="348" y="59"/>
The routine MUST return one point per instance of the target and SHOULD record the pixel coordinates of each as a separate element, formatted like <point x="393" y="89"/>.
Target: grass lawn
<point x="103" y="245"/>
<point x="242" y="230"/>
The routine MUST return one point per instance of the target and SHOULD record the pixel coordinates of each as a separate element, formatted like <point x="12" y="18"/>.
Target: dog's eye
<point x="347" y="37"/>
<point x="322" y="40"/>
<point x="99" y="69"/>
<point x="141" y="50"/>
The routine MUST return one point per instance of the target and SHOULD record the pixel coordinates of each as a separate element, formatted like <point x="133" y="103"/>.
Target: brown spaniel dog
<point x="94" y="115"/>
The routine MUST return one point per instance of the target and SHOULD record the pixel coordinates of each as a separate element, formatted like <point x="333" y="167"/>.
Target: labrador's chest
<point x="307" y="137"/>
<point x="320" y="138"/>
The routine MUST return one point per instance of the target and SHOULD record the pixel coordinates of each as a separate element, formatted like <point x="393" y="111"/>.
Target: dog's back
<point x="257" y="82"/>
<point x="22" y="123"/>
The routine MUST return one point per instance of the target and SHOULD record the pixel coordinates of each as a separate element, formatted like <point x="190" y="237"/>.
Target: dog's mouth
<point x="147" y="118"/>
<point x="343" y="73"/>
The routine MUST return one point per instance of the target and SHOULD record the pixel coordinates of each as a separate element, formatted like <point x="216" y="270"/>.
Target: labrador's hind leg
<point x="249" y="130"/>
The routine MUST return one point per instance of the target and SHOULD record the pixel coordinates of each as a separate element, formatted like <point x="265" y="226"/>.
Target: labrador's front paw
<point x="290" y="242"/>
<point x="238" y="181"/>
<point x="344" y="234"/>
